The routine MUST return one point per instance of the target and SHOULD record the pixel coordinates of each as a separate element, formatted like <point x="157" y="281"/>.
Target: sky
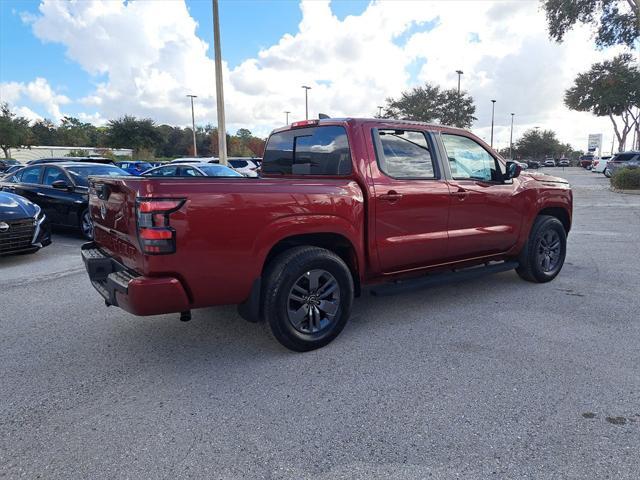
<point x="101" y="59"/>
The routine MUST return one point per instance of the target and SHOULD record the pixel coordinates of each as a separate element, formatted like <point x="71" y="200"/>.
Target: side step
<point x="401" y="286"/>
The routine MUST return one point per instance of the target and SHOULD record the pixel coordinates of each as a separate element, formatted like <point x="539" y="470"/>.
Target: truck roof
<point x="355" y="121"/>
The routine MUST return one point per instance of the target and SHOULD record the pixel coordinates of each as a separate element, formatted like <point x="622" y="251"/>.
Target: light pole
<point x="459" y="72"/>
<point x="511" y="138"/>
<point x="286" y="112"/>
<point x="306" y="101"/>
<point x="222" y="131"/>
<point x="193" y="126"/>
<point x="493" y="111"/>
<point x="379" y="111"/>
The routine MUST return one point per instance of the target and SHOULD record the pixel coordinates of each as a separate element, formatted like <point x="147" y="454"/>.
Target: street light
<point x="306" y="101"/>
<point x="193" y="126"/>
<point x="493" y="111"/>
<point x="511" y="138"/>
<point x="459" y="72"/>
<point x="287" y="112"/>
<point x="222" y="131"/>
<point x="379" y="111"/>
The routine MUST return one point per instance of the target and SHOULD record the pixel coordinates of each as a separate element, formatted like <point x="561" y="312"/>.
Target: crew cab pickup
<point x="341" y="206"/>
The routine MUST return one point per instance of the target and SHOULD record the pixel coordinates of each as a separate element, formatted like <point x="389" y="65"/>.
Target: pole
<point x="459" y="72"/>
<point x="306" y="101"/>
<point x="493" y="111"/>
<point x="222" y="131"/>
<point x="511" y="139"/>
<point x="287" y="112"/>
<point x="193" y="126"/>
<point x="379" y="111"/>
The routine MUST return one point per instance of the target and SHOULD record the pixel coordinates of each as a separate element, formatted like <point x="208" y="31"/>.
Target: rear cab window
<point x="321" y="150"/>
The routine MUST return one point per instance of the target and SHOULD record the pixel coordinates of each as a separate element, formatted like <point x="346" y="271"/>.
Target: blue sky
<point x="101" y="59"/>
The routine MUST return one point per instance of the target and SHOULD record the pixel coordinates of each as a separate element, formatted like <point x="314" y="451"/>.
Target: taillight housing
<point x="155" y="234"/>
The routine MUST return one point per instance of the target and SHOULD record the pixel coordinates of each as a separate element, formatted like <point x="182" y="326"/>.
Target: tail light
<point x="155" y="234"/>
<point x="304" y="123"/>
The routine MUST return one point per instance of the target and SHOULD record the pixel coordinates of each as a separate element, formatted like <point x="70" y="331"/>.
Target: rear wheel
<point x="542" y="257"/>
<point x="86" y="225"/>
<point x="307" y="297"/>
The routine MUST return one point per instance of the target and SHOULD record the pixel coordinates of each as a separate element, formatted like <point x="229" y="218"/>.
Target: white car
<point x="247" y="166"/>
<point x="599" y="164"/>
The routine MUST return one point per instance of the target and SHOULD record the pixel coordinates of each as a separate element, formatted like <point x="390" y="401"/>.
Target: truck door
<point x="411" y="200"/>
<point x="484" y="217"/>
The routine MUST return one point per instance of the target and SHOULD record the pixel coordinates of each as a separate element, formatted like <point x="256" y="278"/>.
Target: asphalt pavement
<point x="493" y="378"/>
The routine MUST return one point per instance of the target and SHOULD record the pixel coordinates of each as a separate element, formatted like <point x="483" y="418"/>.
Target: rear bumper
<point x="130" y="291"/>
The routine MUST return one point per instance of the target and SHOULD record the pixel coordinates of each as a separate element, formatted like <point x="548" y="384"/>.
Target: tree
<point x="616" y="22"/>
<point x="538" y="144"/>
<point x="44" y="133"/>
<point x="429" y="103"/>
<point x="129" y="132"/>
<point x="14" y="130"/>
<point x="612" y="89"/>
<point x="75" y="133"/>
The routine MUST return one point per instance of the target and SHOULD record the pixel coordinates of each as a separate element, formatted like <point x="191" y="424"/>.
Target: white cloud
<point x="39" y="92"/>
<point x="151" y="58"/>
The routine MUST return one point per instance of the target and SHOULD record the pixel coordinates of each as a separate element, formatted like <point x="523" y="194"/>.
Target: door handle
<point x="40" y="194"/>
<point x="461" y="193"/>
<point x="390" y="196"/>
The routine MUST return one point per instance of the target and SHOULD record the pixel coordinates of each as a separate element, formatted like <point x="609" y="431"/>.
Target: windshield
<point x="79" y="174"/>
<point x="219" y="171"/>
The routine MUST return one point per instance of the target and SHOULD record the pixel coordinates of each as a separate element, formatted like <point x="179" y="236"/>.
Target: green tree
<point x="73" y="132"/>
<point x="44" y="133"/>
<point x="611" y="89"/>
<point x="615" y="22"/>
<point x="14" y="130"/>
<point x="429" y="103"/>
<point x="130" y="132"/>
<point x="538" y="144"/>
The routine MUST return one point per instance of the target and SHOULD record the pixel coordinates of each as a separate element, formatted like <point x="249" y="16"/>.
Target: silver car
<point x="622" y="160"/>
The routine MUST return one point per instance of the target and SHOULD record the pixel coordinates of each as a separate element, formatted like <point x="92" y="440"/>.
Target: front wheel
<point x="542" y="257"/>
<point x="86" y="225"/>
<point x="307" y="297"/>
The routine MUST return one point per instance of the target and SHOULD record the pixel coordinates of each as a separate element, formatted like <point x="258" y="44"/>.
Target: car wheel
<point x="86" y="225"/>
<point x="307" y="297"/>
<point x="542" y="257"/>
<point x="607" y="173"/>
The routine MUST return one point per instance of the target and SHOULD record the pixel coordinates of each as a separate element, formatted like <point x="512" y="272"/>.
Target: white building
<point x="33" y="153"/>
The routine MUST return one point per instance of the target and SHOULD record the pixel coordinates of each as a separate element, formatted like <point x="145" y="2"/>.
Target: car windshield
<point x="81" y="172"/>
<point x="219" y="171"/>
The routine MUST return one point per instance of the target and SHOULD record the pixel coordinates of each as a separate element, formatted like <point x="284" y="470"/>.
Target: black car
<point x="60" y="189"/>
<point x="6" y="163"/>
<point x="24" y="227"/>
<point x="533" y="163"/>
<point x="11" y="169"/>
<point x="102" y="160"/>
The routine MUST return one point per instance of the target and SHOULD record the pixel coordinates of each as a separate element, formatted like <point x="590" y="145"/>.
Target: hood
<point x="15" y="207"/>
<point x="543" y="177"/>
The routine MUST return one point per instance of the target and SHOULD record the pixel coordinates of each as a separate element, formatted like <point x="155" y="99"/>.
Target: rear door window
<point x="31" y="175"/>
<point x="320" y="150"/>
<point x="404" y="154"/>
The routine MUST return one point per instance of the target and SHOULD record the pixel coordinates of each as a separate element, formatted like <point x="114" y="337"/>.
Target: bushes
<point x="626" y="179"/>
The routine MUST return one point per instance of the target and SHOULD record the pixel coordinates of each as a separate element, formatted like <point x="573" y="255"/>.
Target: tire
<point x="540" y="259"/>
<point x="307" y="297"/>
<point x="86" y="225"/>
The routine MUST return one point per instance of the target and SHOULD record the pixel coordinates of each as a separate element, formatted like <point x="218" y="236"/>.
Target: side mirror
<point x="61" y="185"/>
<point x="513" y="170"/>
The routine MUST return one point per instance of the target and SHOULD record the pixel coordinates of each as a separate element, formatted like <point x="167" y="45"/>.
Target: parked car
<point x="39" y="161"/>
<point x="585" y="161"/>
<point x="549" y="162"/>
<point x="622" y="160"/>
<point x="598" y="165"/>
<point x="564" y="162"/>
<point x="10" y="170"/>
<point x="533" y="163"/>
<point x="192" y="170"/>
<point x="6" y="163"/>
<point x="133" y="167"/>
<point x="244" y="165"/>
<point x="60" y="189"/>
<point x="358" y="202"/>
<point x="24" y="227"/>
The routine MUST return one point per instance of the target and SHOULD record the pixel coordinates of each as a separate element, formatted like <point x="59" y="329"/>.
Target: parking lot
<point x="490" y="378"/>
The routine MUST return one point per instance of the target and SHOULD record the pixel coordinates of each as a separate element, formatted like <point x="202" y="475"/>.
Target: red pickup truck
<point x="340" y="205"/>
